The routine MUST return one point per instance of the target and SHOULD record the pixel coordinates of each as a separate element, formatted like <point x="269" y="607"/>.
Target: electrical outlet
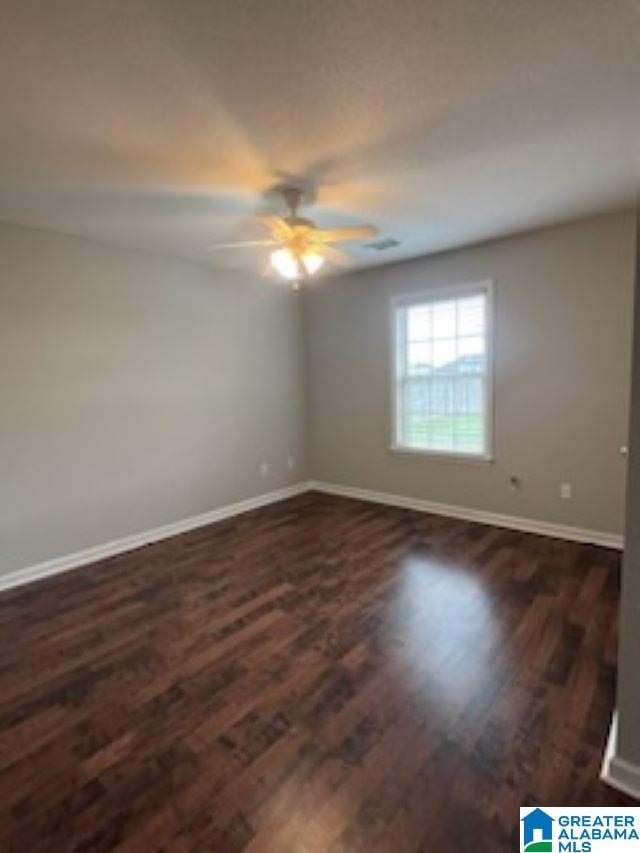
<point x="290" y="463"/>
<point x="566" y="491"/>
<point x="264" y="469"/>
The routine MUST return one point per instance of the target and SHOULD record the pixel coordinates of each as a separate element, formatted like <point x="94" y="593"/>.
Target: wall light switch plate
<point x="566" y="491"/>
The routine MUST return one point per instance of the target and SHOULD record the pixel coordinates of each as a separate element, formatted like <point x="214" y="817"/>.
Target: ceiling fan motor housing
<point x="299" y="223"/>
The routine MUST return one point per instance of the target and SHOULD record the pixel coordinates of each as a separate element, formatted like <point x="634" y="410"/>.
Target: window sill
<point x="444" y="456"/>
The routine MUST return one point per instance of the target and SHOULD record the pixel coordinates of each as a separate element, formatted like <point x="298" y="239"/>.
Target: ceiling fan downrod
<point x="293" y="198"/>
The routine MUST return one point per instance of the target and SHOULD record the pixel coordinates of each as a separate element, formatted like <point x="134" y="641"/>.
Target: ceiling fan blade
<point x="335" y="256"/>
<point x="342" y="235"/>
<point x="243" y="244"/>
<point x="279" y="227"/>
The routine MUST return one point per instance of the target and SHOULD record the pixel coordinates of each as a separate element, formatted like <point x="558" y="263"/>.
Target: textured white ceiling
<point x="160" y="123"/>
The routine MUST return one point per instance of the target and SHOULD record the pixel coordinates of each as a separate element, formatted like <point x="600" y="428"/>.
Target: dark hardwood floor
<point x="320" y="675"/>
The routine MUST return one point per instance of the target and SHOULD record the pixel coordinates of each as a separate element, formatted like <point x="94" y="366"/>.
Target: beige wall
<point x="135" y="391"/>
<point x="562" y="374"/>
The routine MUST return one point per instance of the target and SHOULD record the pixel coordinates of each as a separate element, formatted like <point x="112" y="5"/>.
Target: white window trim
<point x="431" y="294"/>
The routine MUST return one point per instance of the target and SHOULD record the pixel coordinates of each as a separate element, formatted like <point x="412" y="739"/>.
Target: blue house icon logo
<point x="537" y="832"/>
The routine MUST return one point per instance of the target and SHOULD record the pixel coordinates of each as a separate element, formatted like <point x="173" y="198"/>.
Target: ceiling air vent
<point x="383" y="244"/>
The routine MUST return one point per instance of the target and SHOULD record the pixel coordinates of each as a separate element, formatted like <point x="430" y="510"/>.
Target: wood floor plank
<point x="319" y="675"/>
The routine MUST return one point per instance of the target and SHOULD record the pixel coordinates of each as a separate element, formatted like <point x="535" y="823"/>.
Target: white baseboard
<point x="512" y="522"/>
<point x="48" y="568"/>
<point x="616" y="772"/>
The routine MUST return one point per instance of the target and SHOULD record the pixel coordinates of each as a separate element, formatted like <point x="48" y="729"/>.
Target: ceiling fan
<point x="300" y="248"/>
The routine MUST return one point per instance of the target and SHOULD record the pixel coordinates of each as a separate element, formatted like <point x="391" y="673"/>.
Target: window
<point x="442" y="372"/>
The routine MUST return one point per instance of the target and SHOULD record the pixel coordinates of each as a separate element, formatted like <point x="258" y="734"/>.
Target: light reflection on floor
<point x="446" y="631"/>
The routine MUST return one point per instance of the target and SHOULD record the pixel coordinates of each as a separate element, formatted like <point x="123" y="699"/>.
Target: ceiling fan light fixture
<point x="288" y="264"/>
<point x="300" y="247"/>
<point x="312" y="262"/>
<point x="284" y="262"/>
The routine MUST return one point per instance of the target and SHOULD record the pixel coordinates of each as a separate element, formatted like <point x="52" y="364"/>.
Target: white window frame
<point x="428" y="295"/>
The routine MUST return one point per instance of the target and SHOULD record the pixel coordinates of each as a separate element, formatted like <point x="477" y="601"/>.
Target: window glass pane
<point x="471" y="315"/>
<point x="419" y="357"/>
<point x="442" y="393"/>
<point x="419" y="323"/>
<point x="416" y="404"/>
<point x="444" y="355"/>
<point x="470" y="355"/>
<point x="444" y="319"/>
<point x="440" y="416"/>
<point x="469" y="415"/>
